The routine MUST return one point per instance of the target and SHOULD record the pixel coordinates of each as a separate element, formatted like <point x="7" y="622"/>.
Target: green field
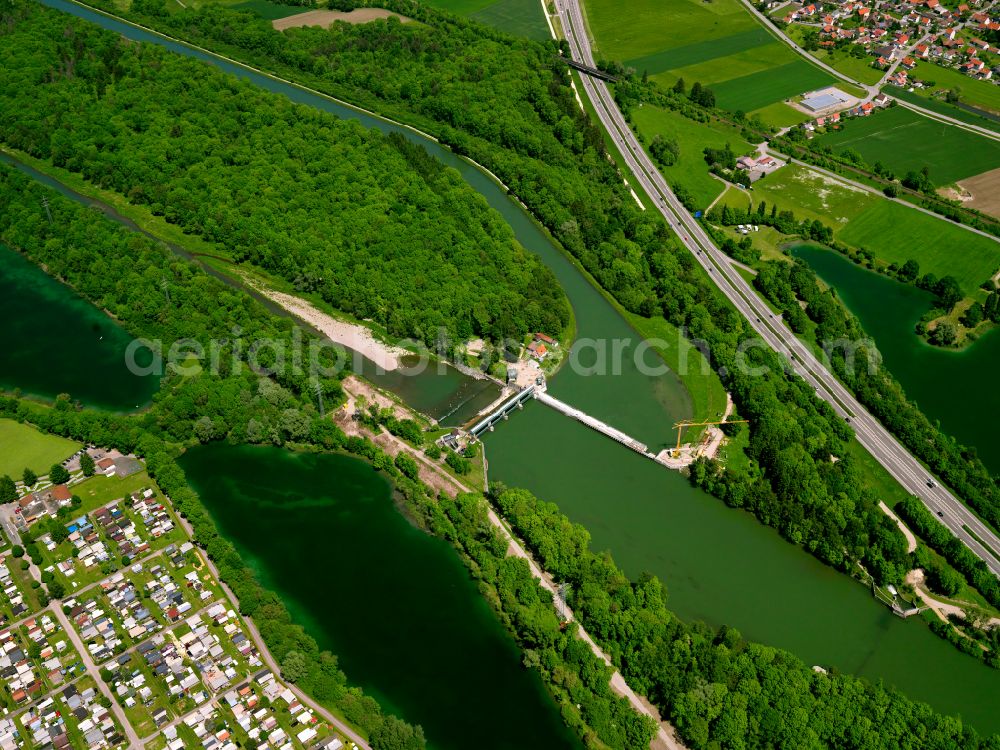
<point x="982" y="94"/>
<point x="523" y="18"/>
<point x="718" y="44"/>
<point x="691" y="171"/>
<point x="893" y="232"/>
<point x="699" y="52"/>
<point x="904" y="140"/>
<point x="757" y="90"/>
<point x="99" y="490"/>
<point x="781" y="115"/>
<point x="24" y="447"/>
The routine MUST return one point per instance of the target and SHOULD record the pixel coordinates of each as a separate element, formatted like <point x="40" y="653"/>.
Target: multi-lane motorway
<point x="910" y="473"/>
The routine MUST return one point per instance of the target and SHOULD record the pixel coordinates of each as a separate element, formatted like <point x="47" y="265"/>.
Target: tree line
<point x="508" y="104"/>
<point x="367" y="222"/>
<point x="717" y="689"/>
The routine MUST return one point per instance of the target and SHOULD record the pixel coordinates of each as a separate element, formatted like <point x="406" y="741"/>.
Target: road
<point x="871" y="89"/>
<point x="907" y="470"/>
<point x="134" y="742"/>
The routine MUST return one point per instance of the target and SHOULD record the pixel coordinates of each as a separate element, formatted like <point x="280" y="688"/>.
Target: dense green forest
<point x="369" y="222"/>
<point x="717" y="689"/>
<point x="240" y="405"/>
<point x="713" y="685"/>
<point x="518" y="116"/>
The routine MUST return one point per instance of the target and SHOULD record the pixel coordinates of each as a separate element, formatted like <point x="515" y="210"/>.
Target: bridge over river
<point x="539" y="393"/>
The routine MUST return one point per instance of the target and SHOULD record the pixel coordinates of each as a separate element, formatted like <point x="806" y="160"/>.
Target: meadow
<point x="691" y="171"/>
<point x="982" y="94"/>
<point x="718" y="44"/>
<point x="904" y="140"/>
<point x="894" y="233"/>
<point x="523" y="18"/>
<point x="24" y="447"/>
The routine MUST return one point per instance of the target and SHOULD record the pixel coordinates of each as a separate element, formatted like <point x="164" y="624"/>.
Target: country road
<point x="907" y="470"/>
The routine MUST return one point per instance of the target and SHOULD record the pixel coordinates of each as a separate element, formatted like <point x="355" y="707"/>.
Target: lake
<point x="396" y="605"/>
<point x="957" y="388"/>
<point x="53" y="341"/>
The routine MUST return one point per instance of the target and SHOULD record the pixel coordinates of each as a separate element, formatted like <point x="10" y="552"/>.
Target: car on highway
<point x="931" y="483"/>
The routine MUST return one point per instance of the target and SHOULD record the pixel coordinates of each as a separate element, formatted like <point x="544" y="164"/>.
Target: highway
<point x="907" y="470"/>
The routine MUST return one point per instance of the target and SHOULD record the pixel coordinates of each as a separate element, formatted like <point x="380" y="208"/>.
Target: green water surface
<point x="53" y="341"/>
<point x="957" y="388"/>
<point x="397" y="606"/>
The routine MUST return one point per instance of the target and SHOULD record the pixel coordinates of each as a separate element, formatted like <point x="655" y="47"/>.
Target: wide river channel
<point x="719" y="565"/>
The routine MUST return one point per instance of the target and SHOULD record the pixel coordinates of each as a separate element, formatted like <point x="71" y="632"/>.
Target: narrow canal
<point x="958" y="388"/>
<point x="720" y="565"/>
<point x="396" y="605"/>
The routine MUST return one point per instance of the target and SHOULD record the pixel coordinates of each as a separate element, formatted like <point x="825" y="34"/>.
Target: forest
<point x="368" y="222"/>
<point x="517" y="114"/>
<point x="243" y="406"/>
<point x="719" y="690"/>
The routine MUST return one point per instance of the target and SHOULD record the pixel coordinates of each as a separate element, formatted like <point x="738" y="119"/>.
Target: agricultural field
<point x="717" y="44"/>
<point x="985" y="191"/>
<point x="24" y="447"/>
<point x="892" y="232"/>
<point x="904" y="140"/>
<point x="691" y="171"/>
<point x="523" y="18"/>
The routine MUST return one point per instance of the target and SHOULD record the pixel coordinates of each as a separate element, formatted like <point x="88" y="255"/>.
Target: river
<point x="958" y="388"/>
<point x="720" y="565"/>
<point x="397" y="606"/>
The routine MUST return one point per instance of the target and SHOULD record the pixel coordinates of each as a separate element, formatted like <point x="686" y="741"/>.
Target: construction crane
<point x="681" y="425"/>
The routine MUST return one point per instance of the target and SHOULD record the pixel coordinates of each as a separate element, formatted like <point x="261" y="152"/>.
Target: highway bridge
<point x="906" y="469"/>
<point x="589" y="69"/>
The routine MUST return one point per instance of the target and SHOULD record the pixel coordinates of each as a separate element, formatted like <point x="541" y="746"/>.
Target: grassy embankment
<point x="23" y="447"/>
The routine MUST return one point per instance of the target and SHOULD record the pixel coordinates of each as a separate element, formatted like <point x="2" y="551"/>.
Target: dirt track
<point x="326" y="17"/>
<point x="985" y="189"/>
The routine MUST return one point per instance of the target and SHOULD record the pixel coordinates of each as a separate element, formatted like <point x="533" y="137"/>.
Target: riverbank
<point x="352" y="335"/>
<point x="436" y="476"/>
